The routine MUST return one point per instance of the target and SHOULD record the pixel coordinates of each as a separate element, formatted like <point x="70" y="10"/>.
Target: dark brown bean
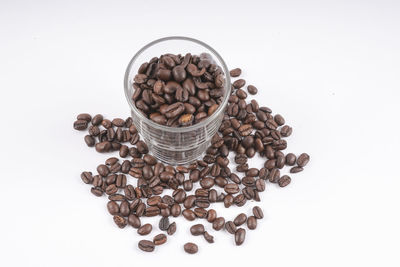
<point x="146" y="245"/>
<point x="191" y="248"/>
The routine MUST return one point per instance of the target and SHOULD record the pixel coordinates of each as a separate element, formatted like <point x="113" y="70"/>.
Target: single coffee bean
<point x="218" y="223"/>
<point x="245" y="130"/>
<point x="252" y="89"/>
<point x="97" y="191"/>
<point x="80" y="125"/>
<point x="252" y="223"/>
<point x="134" y="221"/>
<point x="190" y="248"/>
<point x="146" y="245"/>
<point x="197" y="229"/>
<point x="171" y="229"/>
<point x="84" y="116"/>
<point x="163" y="224"/>
<point x="145" y="229"/>
<point x="303" y="159"/>
<point x="159" y="239"/>
<point x="120" y="221"/>
<point x="296" y="169"/>
<point x="188" y="214"/>
<point x="113" y="207"/>
<point x="240" y="236"/>
<point x="103" y="147"/>
<point x="286" y="131"/>
<point x="239" y="83"/>
<point x="290" y="159"/>
<point x="235" y="72"/>
<point x="284" y="181"/>
<point x="257" y="212"/>
<point x="87" y="177"/>
<point x="240" y="219"/>
<point x="89" y="140"/>
<point x="97" y="119"/>
<point x="209" y="238"/>
<point x="211" y="215"/>
<point x="230" y="227"/>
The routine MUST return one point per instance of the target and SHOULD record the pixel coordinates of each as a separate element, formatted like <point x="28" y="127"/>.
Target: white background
<point x="330" y="67"/>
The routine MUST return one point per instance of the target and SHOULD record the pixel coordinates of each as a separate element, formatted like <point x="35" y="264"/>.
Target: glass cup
<point x="173" y="145"/>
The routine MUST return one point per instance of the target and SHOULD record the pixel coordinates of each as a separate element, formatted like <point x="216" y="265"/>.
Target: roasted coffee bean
<point x="257" y="212"/>
<point x="235" y="72"/>
<point x="231" y="188"/>
<point x="142" y="147"/>
<point x="207" y="183"/>
<point x="197" y="229"/>
<point x="189" y="214"/>
<point x="120" y="221"/>
<point x="240" y="219"/>
<point x="134" y="221"/>
<point x="245" y="130"/>
<point x="240" y="236"/>
<point x="89" y="140"/>
<point x="80" y="125"/>
<point x="230" y="227"/>
<point x="113" y="207"/>
<point x="87" y="177"/>
<point x="260" y="185"/>
<point x="280" y="162"/>
<point x="106" y="123"/>
<point x="146" y="245"/>
<point x="171" y="229"/>
<point x="97" y="191"/>
<point x="279" y="119"/>
<point x="211" y="215"/>
<point x="253" y="172"/>
<point x="252" y="89"/>
<point x="284" y="181"/>
<point x="191" y="248"/>
<point x="189" y="201"/>
<point x="218" y="223"/>
<point x="200" y="212"/>
<point x="251" y="222"/>
<point x="145" y="229"/>
<point x="175" y="210"/>
<point x="303" y="159"/>
<point x="296" y="169"/>
<point x="209" y="238"/>
<point x="159" y="239"/>
<point x="286" y="131"/>
<point x="239" y="83"/>
<point x="163" y="224"/>
<point x="290" y="159"/>
<point x="103" y="147"/>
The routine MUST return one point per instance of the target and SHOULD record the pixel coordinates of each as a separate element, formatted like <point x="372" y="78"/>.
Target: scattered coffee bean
<point x="303" y="159"/>
<point x="252" y="89"/>
<point x="240" y="236"/>
<point x="252" y="222"/>
<point x="171" y="229"/>
<point x="284" y="181"/>
<point x="240" y="219"/>
<point x="164" y="224"/>
<point x="159" y="239"/>
<point x="146" y="245"/>
<point x="190" y="248"/>
<point x="209" y="238"/>
<point x="257" y="212"/>
<point x="145" y="229"/>
<point x="197" y="229"/>
<point x="235" y="72"/>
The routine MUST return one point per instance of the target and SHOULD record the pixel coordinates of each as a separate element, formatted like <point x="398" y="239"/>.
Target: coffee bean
<point x="163" y="224"/>
<point x="218" y="223"/>
<point x="231" y="188"/>
<point x="209" y="238"/>
<point x="146" y="245"/>
<point x="240" y="219"/>
<point x="284" y="181"/>
<point x="279" y="119"/>
<point x="97" y="119"/>
<point x="89" y="140"/>
<point x="240" y="236"/>
<point x="97" y="191"/>
<point x="87" y="177"/>
<point x="159" y="239"/>
<point x="190" y="248"/>
<point x="303" y="159"/>
<point x="211" y="215"/>
<point x="120" y="221"/>
<point x="197" y="229"/>
<point x="103" y="147"/>
<point x="245" y="130"/>
<point x="239" y="83"/>
<point x="296" y="169"/>
<point x="134" y="221"/>
<point x="80" y="125"/>
<point x="230" y="227"/>
<point x="257" y="212"/>
<point x="145" y="229"/>
<point x="171" y="229"/>
<point x="252" y="89"/>
<point x="189" y="214"/>
<point x="113" y="207"/>
<point x="286" y="131"/>
<point x="252" y="223"/>
<point x="235" y="72"/>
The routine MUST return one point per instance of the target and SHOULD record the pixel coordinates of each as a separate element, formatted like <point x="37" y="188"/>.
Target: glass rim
<point x="201" y="124"/>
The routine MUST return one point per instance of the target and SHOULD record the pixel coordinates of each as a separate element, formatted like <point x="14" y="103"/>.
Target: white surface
<point x="330" y="67"/>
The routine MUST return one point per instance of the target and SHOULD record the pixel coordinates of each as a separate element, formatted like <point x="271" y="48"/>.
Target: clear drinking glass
<point x="172" y="145"/>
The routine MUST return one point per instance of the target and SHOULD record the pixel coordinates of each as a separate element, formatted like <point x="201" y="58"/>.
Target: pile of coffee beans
<point x="167" y="191"/>
<point x="177" y="90"/>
